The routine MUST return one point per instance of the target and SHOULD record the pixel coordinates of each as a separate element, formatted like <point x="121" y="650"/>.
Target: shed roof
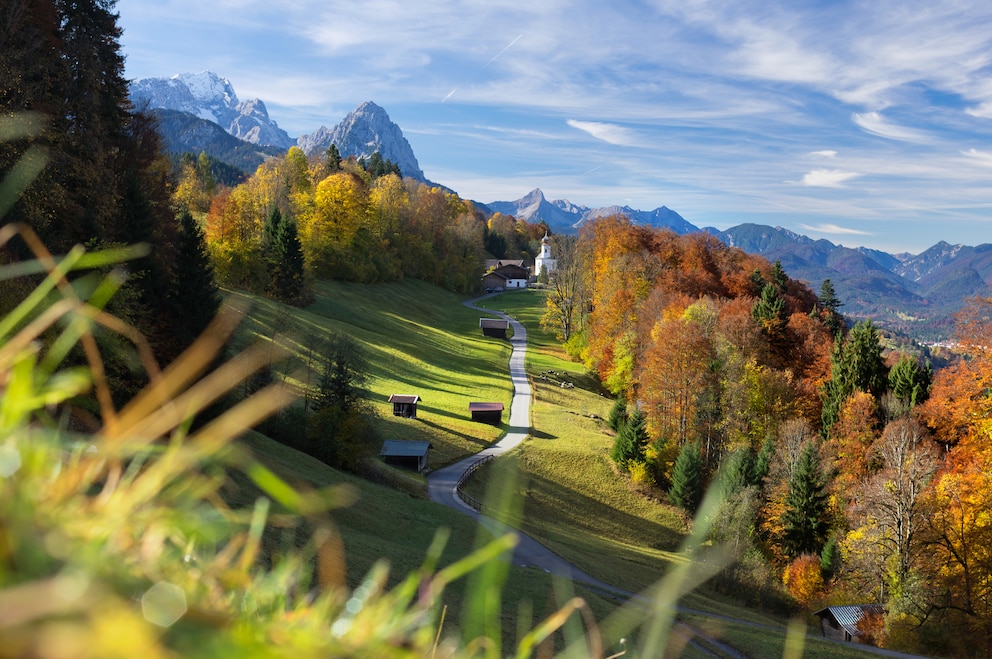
<point x="493" y="323"/>
<point x="398" y="448"/>
<point x="849" y="616"/>
<point x="404" y="398"/>
<point x="485" y="407"/>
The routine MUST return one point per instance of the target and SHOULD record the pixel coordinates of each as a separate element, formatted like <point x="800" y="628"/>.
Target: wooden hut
<point x="491" y="413"/>
<point x="495" y="327"/>
<point x="405" y="405"/>
<point x="841" y="623"/>
<point x="407" y="454"/>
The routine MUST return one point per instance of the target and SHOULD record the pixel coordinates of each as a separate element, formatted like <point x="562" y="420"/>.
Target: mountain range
<point x="915" y="294"/>
<point x="206" y="100"/>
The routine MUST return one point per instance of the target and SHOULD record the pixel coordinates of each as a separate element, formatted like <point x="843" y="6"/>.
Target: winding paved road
<point x="442" y="484"/>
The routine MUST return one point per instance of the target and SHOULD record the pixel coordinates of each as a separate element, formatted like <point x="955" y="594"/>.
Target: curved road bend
<point x="442" y="483"/>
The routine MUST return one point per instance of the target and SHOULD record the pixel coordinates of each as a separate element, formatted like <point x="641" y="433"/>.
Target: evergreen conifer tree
<point x="618" y="414"/>
<point x="909" y="381"/>
<point x="805" y="523"/>
<point x="195" y="294"/>
<point x="831" y="303"/>
<point x="687" y="478"/>
<point x="855" y="365"/>
<point x="288" y="273"/>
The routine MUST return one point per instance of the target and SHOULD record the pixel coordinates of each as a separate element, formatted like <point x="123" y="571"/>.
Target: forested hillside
<point x="850" y="470"/>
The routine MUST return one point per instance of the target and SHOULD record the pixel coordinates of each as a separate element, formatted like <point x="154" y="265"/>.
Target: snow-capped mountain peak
<point x="211" y="97"/>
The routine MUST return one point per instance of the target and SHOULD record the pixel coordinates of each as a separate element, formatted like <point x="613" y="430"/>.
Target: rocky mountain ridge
<point x="211" y="97"/>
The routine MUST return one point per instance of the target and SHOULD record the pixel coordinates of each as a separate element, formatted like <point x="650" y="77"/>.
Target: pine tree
<point x="763" y="461"/>
<point x="805" y="523"/>
<point x="909" y="381"/>
<point x="288" y="274"/>
<point x="618" y="414"/>
<point x="195" y="294"/>
<point x="738" y="470"/>
<point x="855" y="365"/>
<point x="687" y="478"/>
<point x="831" y="303"/>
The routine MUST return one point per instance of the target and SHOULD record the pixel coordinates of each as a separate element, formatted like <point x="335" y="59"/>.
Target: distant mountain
<point x="364" y="131"/>
<point x="563" y="216"/>
<point x="211" y="97"/>
<point x="184" y="132"/>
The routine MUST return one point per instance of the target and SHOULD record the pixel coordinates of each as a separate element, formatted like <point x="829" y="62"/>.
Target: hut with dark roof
<point x="405" y="405"/>
<point x="491" y="413"/>
<point x="407" y="454"/>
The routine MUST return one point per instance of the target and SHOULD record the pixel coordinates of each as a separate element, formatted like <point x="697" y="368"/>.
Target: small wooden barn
<point x="405" y="405"/>
<point x="491" y="413"/>
<point x="404" y="453"/>
<point x="840" y="623"/>
<point x="495" y="327"/>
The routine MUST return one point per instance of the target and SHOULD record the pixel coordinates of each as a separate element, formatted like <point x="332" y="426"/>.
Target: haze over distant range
<point x="864" y="123"/>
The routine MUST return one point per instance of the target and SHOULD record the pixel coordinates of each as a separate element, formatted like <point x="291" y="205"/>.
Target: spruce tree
<point x="909" y="381"/>
<point x="687" y="478"/>
<point x="831" y="303"/>
<point x="855" y="365"/>
<point x="195" y="294"/>
<point x="288" y="273"/>
<point x="618" y="413"/>
<point x="806" y="526"/>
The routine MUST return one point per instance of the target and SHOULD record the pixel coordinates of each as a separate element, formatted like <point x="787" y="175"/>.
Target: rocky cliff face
<point x="364" y="131"/>
<point x="211" y="97"/>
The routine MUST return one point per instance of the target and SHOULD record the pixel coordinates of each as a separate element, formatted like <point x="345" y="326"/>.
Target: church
<point x="544" y="260"/>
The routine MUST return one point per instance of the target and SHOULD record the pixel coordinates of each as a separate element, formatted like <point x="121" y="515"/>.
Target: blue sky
<point x="865" y="123"/>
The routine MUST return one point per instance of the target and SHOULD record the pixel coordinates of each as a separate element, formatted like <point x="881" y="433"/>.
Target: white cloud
<point x="983" y="157"/>
<point x="609" y="133"/>
<point x="876" y="124"/>
<point x="834" y="230"/>
<point x="828" y="153"/>
<point x="828" y="178"/>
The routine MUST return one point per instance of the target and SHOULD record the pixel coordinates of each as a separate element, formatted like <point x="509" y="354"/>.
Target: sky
<point x="864" y="123"/>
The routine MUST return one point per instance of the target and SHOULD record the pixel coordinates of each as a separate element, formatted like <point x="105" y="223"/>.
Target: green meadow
<point x="423" y="340"/>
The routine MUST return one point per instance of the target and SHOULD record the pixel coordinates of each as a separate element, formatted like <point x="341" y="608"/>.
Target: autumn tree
<point x="564" y="302"/>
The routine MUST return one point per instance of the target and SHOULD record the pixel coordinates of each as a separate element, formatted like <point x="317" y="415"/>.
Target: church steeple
<point x="544" y="260"/>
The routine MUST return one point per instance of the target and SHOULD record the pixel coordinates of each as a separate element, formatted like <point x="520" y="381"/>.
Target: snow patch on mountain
<point x="213" y="98"/>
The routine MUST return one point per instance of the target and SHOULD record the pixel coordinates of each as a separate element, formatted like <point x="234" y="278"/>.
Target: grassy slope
<point x="423" y="340"/>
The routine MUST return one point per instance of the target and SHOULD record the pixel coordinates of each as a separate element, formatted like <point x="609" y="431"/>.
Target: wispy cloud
<point x="827" y="178"/>
<point x="982" y="157"/>
<point x="829" y="153"/>
<point x="834" y="230"/>
<point x="876" y="124"/>
<point x="610" y="133"/>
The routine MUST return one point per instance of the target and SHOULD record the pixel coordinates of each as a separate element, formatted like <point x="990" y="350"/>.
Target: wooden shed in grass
<point x="494" y="327"/>
<point x="848" y="623"/>
<point x="405" y="453"/>
<point x="491" y="413"/>
<point x="404" y="405"/>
